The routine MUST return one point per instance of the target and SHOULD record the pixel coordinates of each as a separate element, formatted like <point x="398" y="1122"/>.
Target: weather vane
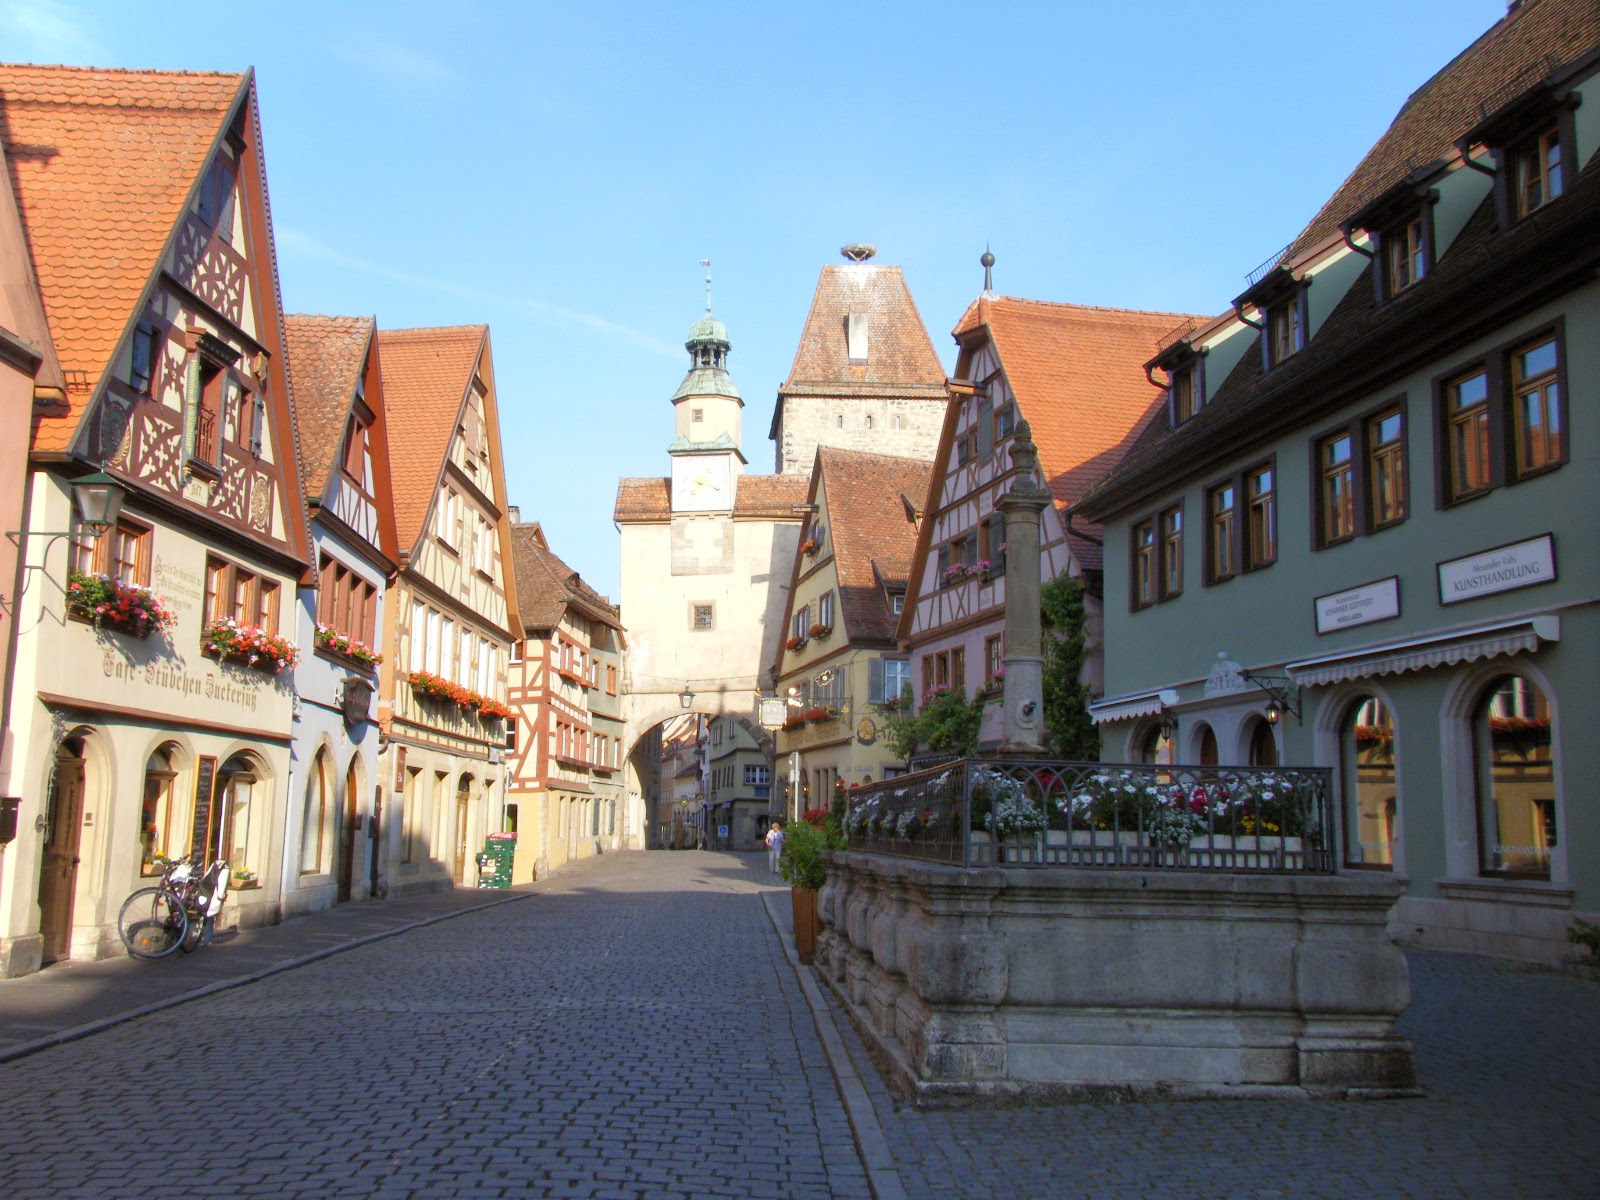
<point x="706" y="263"/>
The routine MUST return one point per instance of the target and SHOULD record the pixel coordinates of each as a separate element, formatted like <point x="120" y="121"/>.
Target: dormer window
<point x="1185" y="369"/>
<point x="1286" y="328"/>
<point x="1537" y="174"/>
<point x="1405" y="256"/>
<point x="1186" y="395"/>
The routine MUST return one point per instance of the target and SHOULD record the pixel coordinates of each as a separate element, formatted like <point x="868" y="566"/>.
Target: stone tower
<point x="865" y="375"/>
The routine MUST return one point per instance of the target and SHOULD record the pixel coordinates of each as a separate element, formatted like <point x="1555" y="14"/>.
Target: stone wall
<point x="1060" y="983"/>
<point x="809" y="422"/>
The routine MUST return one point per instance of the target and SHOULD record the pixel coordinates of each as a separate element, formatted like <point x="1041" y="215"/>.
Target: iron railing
<point x="977" y="812"/>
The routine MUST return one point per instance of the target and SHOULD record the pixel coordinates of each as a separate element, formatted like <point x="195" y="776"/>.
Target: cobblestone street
<point x="632" y="1028"/>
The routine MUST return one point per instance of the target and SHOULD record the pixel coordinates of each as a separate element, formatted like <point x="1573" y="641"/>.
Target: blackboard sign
<point x="205" y="779"/>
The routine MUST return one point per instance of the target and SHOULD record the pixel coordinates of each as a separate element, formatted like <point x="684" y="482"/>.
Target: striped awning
<point x="1138" y="704"/>
<point x="1425" y="653"/>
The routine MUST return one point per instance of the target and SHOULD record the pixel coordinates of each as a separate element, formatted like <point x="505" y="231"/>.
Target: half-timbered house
<point x="1073" y="372"/>
<point x="336" y="797"/>
<point x="565" y="745"/>
<point x="839" y="669"/>
<point x="443" y="677"/>
<point x="152" y="706"/>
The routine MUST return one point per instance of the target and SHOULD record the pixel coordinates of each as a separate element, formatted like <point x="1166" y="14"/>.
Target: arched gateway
<point x="706" y="555"/>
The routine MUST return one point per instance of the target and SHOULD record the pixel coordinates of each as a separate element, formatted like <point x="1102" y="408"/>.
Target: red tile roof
<point x="1522" y="48"/>
<point x="426" y="374"/>
<point x="546" y="586"/>
<point x="325" y="355"/>
<point x="900" y="356"/>
<point x="103" y="162"/>
<point x="755" y="496"/>
<point x="872" y="540"/>
<point x="1078" y="375"/>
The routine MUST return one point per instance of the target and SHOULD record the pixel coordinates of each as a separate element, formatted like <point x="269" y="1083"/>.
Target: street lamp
<point x="685" y="698"/>
<point x="99" y="498"/>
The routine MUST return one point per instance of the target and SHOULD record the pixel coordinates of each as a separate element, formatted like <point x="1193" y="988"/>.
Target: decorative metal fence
<point x="1035" y="813"/>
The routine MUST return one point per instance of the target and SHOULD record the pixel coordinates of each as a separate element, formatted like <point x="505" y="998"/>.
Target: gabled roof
<point x="547" y="587"/>
<point x="103" y="163"/>
<point x="426" y="375"/>
<point x="326" y="355"/>
<point x="872" y="540"/>
<point x="1077" y="373"/>
<point x="649" y="498"/>
<point x="1530" y="43"/>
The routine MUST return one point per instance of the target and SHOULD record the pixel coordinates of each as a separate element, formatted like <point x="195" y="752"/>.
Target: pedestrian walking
<point x="774" y="846"/>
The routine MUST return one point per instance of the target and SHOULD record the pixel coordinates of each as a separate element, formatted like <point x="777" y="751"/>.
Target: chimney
<point x="514" y="514"/>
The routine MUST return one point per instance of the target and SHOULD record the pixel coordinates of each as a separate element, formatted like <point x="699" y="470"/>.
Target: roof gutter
<point x="1088" y="537"/>
<point x="1364" y="251"/>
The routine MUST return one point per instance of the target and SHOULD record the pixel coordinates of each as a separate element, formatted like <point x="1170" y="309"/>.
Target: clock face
<point x="703" y="483"/>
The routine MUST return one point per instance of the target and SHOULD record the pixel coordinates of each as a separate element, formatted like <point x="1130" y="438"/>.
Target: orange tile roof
<point x="1078" y="375"/>
<point x="900" y="356"/>
<point x="426" y="373"/>
<point x="872" y="540"/>
<point x="325" y="357"/>
<point x="1523" y="47"/>
<point x="102" y="162"/>
<point x="546" y="585"/>
<point x="771" y="496"/>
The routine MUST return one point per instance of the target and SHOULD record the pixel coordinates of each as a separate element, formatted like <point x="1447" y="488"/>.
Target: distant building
<point x="334" y="819"/>
<point x="444" y="668"/>
<point x="865" y="374"/>
<point x="738" y="786"/>
<point x="840" y="672"/>
<point x="1074" y="373"/>
<point x="564" y="737"/>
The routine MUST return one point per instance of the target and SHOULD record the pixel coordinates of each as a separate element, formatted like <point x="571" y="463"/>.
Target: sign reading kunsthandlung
<point x="1376" y="601"/>
<point x="1503" y="569"/>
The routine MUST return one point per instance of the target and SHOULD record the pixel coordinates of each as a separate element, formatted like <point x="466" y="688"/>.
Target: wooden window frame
<point x="1142" y="563"/>
<point x="1230" y="542"/>
<point x="1192" y="373"/>
<point x="1337" y="517"/>
<point x="99" y="555"/>
<point x="259" y="602"/>
<point x="1359" y="428"/>
<point x="1290" y="307"/>
<point x="1387" y="259"/>
<point x="1256" y="553"/>
<point x="825" y="608"/>
<point x="1243" y="552"/>
<point x="994" y="658"/>
<point x="151" y="337"/>
<point x="1501" y="415"/>
<point x="1169" y="552"/>
<point x="1556" y="376"/>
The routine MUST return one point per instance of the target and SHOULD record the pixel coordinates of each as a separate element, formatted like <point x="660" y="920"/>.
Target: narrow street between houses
<point x="633" y="1028"/>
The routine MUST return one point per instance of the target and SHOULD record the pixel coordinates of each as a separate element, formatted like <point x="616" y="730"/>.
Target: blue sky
<point x="557" y="170"/>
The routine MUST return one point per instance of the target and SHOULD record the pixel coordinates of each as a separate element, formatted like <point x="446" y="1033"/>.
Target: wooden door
<point x="374" y="838"/>
<point x="58" y="876"/>
<point x="347" y="835"/>
<point x="462" y="798"/>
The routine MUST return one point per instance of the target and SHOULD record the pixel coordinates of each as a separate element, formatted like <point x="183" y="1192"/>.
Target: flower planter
<point x="108" y="603"/>
<point x="807" y="923"/>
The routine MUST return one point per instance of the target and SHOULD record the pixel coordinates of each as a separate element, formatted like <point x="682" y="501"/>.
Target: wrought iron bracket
<point x="1283" y="695"/>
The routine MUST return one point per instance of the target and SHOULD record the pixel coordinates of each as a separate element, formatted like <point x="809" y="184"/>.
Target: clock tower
<point x="706" y="461"/>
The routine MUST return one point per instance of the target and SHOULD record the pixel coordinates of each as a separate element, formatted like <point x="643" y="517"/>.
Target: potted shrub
<point x="801" y="865"/>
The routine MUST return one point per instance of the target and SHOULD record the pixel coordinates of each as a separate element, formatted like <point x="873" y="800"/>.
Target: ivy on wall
<point x="1069" y="733"/>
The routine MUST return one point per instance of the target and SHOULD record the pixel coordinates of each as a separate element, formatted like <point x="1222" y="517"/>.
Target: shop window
<point x="1515" y="779"/>
<point x="1207" y="742"/>
<point x="314" y="817"/>
<point x="1263" y="750"/>
<point x="1152" y="745"/>
<point x="1367" y="785"/>
<point x="229" y="829"/>
<point x="155" y="817"/>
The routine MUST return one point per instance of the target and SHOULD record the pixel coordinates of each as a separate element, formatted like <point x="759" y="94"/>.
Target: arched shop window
<point x="1367" y="780"/>
<point x="315" y="816"/>
<point x="1208" y="746"/>
<point x="1263" y="745"/>
<point x="1515" y="779"/>
<point x="155" y="816"/>
<point x="1153" y="745"/>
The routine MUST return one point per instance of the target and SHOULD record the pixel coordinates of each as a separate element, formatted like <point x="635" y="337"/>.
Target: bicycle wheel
<point x="153" y="922"/>
<point x="195" y="930"/>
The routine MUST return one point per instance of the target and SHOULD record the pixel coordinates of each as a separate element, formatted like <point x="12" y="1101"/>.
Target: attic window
<point x="1534" y="144"/>
<point x="856" y="336"/>
<point x="1186" y="384"/>
<point x="216" y="198"/>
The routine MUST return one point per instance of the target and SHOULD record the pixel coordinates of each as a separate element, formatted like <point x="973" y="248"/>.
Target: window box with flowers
<point x="796" y="643"/>
<point x="436" y="687"/>
<point x="492" y="710"/>
<point x="249" y="646"/>
<point x="344" y="646"/>
<point x="243" y="877"/>
<point x="108" y="603"/>
<point x="997" y="684"/>
<point x="820" y="631"/>
<point x="815" y="714"/>
<point x="961" y="572"/>
<point x="809" y="547"/>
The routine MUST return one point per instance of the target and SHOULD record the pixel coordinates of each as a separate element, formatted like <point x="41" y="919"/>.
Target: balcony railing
<point x="978" y="812"/>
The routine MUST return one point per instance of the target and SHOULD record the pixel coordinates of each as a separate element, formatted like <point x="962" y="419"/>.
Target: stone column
<point x="1024" y="691"/>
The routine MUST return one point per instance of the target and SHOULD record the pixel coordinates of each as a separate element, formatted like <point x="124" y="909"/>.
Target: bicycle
<point x="175" y="914"/>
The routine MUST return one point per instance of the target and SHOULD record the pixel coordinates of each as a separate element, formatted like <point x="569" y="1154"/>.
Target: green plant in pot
<point x="804" y="844"/>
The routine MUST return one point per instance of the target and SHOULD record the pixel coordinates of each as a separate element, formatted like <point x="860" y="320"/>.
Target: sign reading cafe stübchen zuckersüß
<point x="1503" y="569"/>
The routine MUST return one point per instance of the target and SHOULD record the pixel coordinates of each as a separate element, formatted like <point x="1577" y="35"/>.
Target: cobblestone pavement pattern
<point x="632" y="1029"/>
<point x="1509" y="1057"/>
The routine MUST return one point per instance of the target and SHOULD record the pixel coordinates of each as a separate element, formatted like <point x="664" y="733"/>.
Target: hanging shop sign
<point x="1502" y="569"/>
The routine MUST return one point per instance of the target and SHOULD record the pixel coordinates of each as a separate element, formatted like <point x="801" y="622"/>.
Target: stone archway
<point x="663" y="823"/>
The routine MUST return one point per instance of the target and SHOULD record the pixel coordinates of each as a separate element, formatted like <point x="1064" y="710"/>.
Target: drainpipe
<point x="1344" y="231"/>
